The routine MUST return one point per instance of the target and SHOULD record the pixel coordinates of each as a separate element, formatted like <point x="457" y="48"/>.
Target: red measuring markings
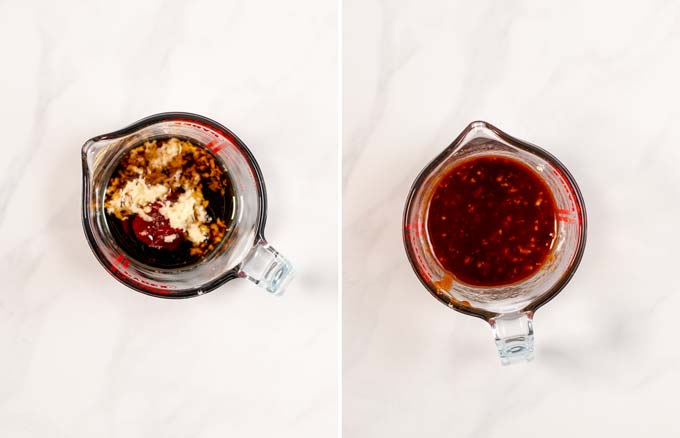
<point x="200" y="126"/>
<point x="119" y="269"/>
<point x="416" y="230"/>
<point x="120" y="260"/>
<point x="566" y="216"/>
<point x="215" y="146"/>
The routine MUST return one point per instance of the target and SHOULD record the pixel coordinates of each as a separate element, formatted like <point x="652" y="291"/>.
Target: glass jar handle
<point x="514" y="335"/>
<point x="267" y="268"/>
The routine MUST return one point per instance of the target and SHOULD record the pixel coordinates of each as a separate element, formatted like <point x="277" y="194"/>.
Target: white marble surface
<point x="82" y="355"/>
<point x="594" y="82"/>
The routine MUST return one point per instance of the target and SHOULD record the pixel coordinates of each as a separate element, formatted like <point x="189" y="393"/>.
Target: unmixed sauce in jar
<point x="491" y="221"/>
<point x="169" y="202"/>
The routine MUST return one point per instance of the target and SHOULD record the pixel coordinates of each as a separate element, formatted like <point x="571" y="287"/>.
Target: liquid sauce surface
<point x="491" y="221"/>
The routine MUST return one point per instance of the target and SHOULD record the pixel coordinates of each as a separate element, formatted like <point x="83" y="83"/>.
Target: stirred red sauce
<point x="491" y="221"/>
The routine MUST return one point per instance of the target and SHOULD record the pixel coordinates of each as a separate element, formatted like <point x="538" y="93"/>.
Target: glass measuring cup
<point x="509" y="309"/>
<point x="243" y="252"/>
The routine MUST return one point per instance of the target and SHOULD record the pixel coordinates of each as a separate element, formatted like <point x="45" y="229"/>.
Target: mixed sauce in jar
<point x="491" y="221"/>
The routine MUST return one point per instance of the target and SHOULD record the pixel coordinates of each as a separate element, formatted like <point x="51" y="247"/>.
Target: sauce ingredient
<point x="157" y="232"/>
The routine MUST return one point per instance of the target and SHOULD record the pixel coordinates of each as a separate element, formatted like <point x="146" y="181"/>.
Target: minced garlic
<point x="166" y="153"/>
<point x="135" y="198"/>
<point x="171" y="238"/>
<point x="187" y="213"/>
